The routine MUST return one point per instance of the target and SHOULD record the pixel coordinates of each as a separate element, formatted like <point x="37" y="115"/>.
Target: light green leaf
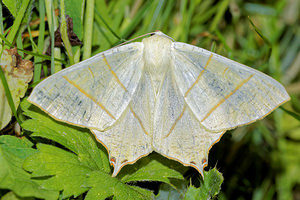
<point x="66" y="171"/>
<point x="13" y="152"/>
<point x="76" y="139"/>
<point x="13" y="6"/>
<point x="13" y="196"/>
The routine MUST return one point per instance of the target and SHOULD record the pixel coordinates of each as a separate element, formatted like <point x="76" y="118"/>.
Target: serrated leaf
<point x="66" y="171"/>
<point x="78" y="140"/>
<point x="113" y="187"/>
<point x="193" y="193"/>
<point x="213" y="180"/>
<point x="13" y="151"/>
<point x="209" y="188"/>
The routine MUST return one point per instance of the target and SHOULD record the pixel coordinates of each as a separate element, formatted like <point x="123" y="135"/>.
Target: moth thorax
<point x="157" y="58"/>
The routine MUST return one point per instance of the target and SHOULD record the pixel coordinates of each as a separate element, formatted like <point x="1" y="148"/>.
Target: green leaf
<point x="168" y="192"/>
<point x="78" y="140"/>
<point x="59" y="169"/>
<point x="213" y="180"/>
<point x="13" y="196"/>
<point x="192" y="193"/>
<point x="289" y="162"/>
<point x="75" y="11"/>
<point x="260" y="33"/>
<point x="64" y="168"/>
<point x="13" y="152"/>
<point x="209" y="188"/>
<point x="21" y="10"/>
<point x="293" y="114"/>
<point x="151" y="168"/>
<point x="113" y="187"/>
<point x="8" y="43"/>
<point x="13" y="6"/>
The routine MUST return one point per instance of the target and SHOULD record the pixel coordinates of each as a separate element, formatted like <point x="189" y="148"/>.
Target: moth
<point x="158" y="95"/>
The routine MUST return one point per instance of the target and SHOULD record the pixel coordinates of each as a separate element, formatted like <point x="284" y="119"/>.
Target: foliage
<point x="13" y="152"/>
<point x="83" y="165"/>
<point x="54" y="160"/>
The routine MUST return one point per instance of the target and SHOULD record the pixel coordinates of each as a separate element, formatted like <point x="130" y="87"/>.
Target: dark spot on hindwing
<point x="124" y="161"/>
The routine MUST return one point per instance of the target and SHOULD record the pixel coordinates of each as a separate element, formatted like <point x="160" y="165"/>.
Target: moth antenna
<point x="157" y="32"/>
<point x="128" y="41"/>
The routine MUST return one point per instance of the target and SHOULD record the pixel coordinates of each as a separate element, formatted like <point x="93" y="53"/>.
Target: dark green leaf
<point x="113" y="187"/>
<point x="151" y="169"/>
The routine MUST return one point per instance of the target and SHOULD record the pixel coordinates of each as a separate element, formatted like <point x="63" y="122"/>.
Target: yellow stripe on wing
<point x="113" y="73"/>
<point x="173" y="126"/>
<point x="226" y="97"/>
<point x="89" y="96"/>
<point x="199" y="76"/>
<point x="139" y="120"/>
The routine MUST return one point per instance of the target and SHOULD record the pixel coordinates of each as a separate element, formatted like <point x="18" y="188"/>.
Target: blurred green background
<point x="258" y="161"/>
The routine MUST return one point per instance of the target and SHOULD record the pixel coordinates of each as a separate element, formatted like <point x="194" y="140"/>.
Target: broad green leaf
<point x="63" y="170"/>
<point x="13" y="152"/>
<point x="167" y="192"/>
<point x="103" y="186"/>
<point x="74" y="8"/>
<point x="59" y="169"/>
<point x="151" y="168"/>
<point x="13" y="196"/>
<point x="76" y="139"/>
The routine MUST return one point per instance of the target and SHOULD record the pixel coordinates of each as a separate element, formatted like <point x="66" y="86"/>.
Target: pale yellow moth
<point x="158" y="95"/>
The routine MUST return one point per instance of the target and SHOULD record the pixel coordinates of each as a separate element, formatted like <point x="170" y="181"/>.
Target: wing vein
<point x="89" y="96"/>
<point x="199" y="76"/>
<point x="139" y="120"/>
<point x="113" y="73"/>
<point x="174" y="124"/>
<point x="226" y="97"/>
